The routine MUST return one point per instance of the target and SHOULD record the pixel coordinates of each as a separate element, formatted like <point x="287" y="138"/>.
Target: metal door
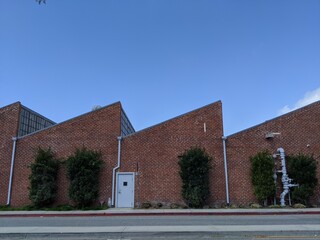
<point x="125" y="190"/>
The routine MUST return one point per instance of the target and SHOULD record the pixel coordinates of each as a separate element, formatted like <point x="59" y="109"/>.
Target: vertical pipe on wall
<point x="225" y="168"/>
<point x="114" y="171"/>
<point x="11" y="168"/>
<point x="286" y="181"/>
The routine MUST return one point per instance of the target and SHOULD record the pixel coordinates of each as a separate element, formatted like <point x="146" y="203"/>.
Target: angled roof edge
<point x="174" y="118"/>
<point x="11" y="104"/>
<point x="79" y="116"/>
<point x="275" y="118"/>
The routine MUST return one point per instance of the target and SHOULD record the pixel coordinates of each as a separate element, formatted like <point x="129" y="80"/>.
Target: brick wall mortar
<point x="97" y="131"/>
<point x="298" y="129"/>
<point x="9" y="120"/>
<point x="153" y="154"/>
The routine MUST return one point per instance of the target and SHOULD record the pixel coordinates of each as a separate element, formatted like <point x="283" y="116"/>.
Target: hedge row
<point x="83" y="169"/>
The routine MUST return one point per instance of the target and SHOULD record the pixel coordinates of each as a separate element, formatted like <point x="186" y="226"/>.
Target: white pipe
<point x="284" y="178"/>
<point x="286" y="181"/>
<point x="114" y="171"/>
<point x="225" y="168"/>
<point x="11" y="169"/>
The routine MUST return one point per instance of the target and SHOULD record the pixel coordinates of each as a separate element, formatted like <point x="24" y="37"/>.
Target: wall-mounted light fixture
<point x="270" y="135"/>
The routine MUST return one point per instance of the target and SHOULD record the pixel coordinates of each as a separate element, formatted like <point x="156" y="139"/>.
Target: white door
<point x="125" y="190"/>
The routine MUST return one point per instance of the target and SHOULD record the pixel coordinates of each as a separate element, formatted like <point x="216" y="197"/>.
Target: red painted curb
<point x="157" y="214"/>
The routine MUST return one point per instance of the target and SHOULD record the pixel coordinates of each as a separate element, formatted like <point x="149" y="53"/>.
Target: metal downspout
<point x="11" y="168"/>
<point x="226" y="168"/>
<point x="114" y="172"/>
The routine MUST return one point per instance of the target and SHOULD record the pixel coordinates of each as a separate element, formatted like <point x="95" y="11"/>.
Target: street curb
<point x="122" y="214"/>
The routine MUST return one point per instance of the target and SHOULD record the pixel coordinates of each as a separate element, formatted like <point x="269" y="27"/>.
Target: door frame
<point x="133" y="187"/>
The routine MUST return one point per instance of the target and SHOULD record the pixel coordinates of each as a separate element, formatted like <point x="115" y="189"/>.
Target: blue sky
<point x="161" y="58"/>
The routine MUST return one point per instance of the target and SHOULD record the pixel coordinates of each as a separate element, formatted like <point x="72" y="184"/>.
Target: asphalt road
<point x="169" y="236"/>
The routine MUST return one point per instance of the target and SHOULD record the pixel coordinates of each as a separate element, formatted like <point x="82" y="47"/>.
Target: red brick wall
<point x="9" y="120"/>
<point x="97" y="130"/>
<point x="153" y="154"/>
<point x="298" y="129"/>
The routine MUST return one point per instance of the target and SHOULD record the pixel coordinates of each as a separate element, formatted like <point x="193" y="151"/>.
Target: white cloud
<point x="308" y="98"/>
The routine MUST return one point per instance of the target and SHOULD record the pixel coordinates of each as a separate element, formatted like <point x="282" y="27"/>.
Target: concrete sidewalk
<point x="123" y="228"/>
<point x="159" y="212"/>
<point x="161" y="229"/>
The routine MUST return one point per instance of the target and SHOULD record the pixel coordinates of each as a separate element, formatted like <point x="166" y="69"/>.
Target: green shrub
<point x="43" y="178"/>
<point x="298" y="205"/>
<point x="275" y="206"/>
<point x="255" y="205"/>
<point x="262" y="171"/>
<point x="83" y="169"/>
<point x="194" y="172"/>
<point x="146" y="205"/>
<point x="5" y="208"/>
<point x="303" y="170"/>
